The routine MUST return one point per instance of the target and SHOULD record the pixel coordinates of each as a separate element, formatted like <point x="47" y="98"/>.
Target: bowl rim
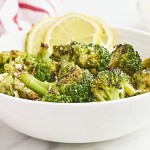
<point x="36" y="102"/>
<point x="76" y="104"/>
<point x="131" y="29"/>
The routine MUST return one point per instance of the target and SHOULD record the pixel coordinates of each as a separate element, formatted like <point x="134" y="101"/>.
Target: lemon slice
<point x="73" y="27"/>
<point x="37" y="34"/>
<point x="107" y="36"/>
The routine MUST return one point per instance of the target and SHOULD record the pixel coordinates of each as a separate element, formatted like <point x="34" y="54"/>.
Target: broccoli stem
<point x="44" y="54"/>
<point x="34" y="84"/>
<point x="45" y="85"/>
<point x="129" y="89"/>
<point x="112" y="94"/>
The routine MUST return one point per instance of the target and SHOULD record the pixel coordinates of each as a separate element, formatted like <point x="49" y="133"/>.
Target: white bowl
<point x="78" y="122"/>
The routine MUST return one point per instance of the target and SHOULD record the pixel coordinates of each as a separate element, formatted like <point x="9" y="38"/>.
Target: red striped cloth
<point x="17" y="15"/>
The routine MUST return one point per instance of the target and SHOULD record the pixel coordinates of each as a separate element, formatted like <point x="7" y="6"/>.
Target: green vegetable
<point x="142" y="81"/>
<point x="112" y="85"/>
<point x="6" y="84"/>
<point x="73" y="85"/>
<point x="125" y="58"/>
<point x="146" y="63"/>
<point x="88" y="56"/>
<point x="93" y="57"/>
<point x="34" y="84"/>
<point x="74" y="73"/>
<point x="15" y="61"/>
<point x="46" y="68"/>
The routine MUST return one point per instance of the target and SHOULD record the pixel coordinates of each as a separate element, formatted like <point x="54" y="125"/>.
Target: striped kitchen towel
<point x="17" y="15"/>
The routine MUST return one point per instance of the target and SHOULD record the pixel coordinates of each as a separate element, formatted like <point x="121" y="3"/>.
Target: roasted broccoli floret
<point x="45" y="72"/>
<point x="22" y="91"/>
<point x="6" y="84"/>
<point x="46" y="68"/>
<point x="79" y="89"/>
<point x="10" y="85"/>
<point x="69" y="52"/>
<point x="112" y="85"/>
<point x="62" y="53"/>
<point x="73" y="84"/>
<point x="125" y="58"/>
<point x="146" y="63"/>
<point x="68" y="69"/>
<point x="57" y="98"/>
<point x="88" y="56"/>
<point x="93" y="57"/>
<point x="4" y="57"/>
<point x="142" y="81"/>
<point x="15" y="61"/>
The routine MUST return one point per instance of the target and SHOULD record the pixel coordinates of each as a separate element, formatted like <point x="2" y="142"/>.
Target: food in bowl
<point x="73" y="72"/>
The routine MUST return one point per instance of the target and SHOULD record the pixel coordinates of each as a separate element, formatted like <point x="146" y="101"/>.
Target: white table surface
<point x="114" y="12"/>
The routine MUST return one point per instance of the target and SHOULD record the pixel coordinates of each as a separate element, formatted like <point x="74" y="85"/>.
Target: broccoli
<point x="125" y="58"/>
<point x="69" y="52"/>
<point x="41" y="88"/>
<point x="6" y="84"/>
<point x="1" y="70"/>
<point x="62" y="53"/>
<point x="112" y="85"/>
<point x="142" y="81"/>
<point x="15" y="61"/>
<point x="146" y="63"/>
<point x="93" y="57"/>
<point x="79" y="89"/>
<point x="11" y="86"/>
<point x="44" y="72"/>
<point x="57" y="98"/>
<point x="73" y="84"/>
<point x="73" y="88"/>
<point x="46" y="68"/>
<point x="4" y="57"/>
<point x="88" y="56"/>
<point x="68" y="69"/>
<point x="22" y="91"/>
<point x="74" y="73"/>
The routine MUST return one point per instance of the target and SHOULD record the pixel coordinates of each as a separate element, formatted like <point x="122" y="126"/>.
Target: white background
<point x="114" y="12"/>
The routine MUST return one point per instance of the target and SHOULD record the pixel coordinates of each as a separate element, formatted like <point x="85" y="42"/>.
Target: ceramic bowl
<point x="78" y="122"/>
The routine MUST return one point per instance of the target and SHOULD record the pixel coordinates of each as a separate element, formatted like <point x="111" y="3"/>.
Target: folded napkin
<point x="17" y="15"/>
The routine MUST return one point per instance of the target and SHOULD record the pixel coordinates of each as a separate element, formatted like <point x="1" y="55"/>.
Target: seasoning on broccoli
<point x="62" y="53"/>
<point x="142" y="81"/>
<point x="46" y="68"/>
<point x="112" y="85"/>
<point x="73" y="85"/>
<point x="125" y="58"/>
<point x="74" y="73"/>
<point x="88" y="56"/>
<point x="15" y="61"/>
<point x="11" y="86"/>
<point x="6" y="84"/>
<point x="93" y="57"/>
<point x="146" y="63"/>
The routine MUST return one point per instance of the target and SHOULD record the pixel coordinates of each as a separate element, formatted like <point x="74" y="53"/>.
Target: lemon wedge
<point x="70" y="27"/>
<point x="36" y="35"/>
<point x="73" y="27"/>
<point x="107" y="36"/>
